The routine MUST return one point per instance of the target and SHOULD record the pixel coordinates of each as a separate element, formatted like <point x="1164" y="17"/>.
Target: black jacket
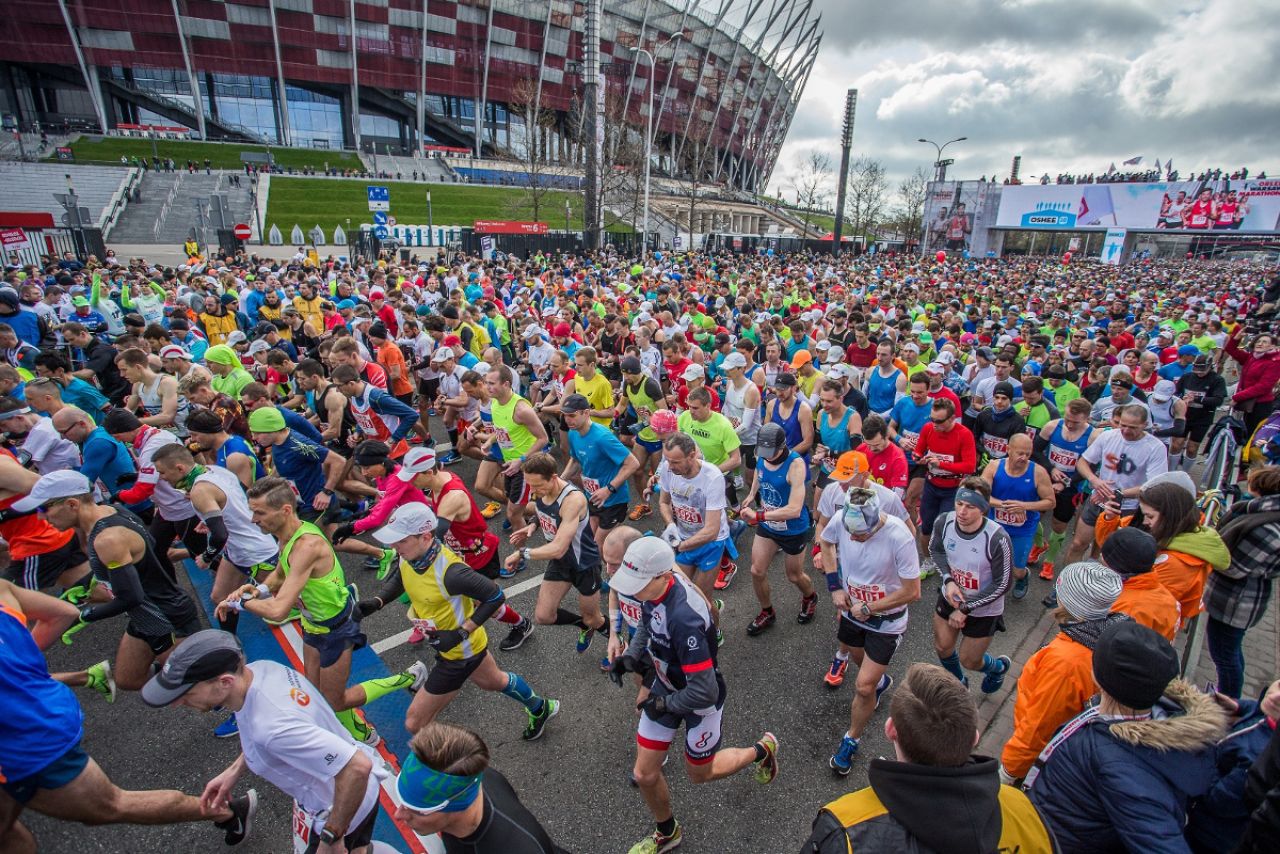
<point x="1262" y="796"/>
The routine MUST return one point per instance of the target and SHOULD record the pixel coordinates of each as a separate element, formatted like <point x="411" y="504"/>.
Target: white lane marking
<point x="401" y="638"/>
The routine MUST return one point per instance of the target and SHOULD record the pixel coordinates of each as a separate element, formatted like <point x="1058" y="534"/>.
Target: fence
<point x="43" y="242"/>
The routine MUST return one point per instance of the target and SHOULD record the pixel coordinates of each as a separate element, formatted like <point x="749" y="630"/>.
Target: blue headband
<point x="427" y="790"/>
<point x="972" y="496"/>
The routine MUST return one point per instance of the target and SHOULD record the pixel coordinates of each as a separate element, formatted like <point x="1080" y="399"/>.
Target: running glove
<point x="365" y="607"/>
<point x="344" y="531"/>
<point x="445" y="640"/>
<point x="656" y="706"/>
<point x="621" y="665"/>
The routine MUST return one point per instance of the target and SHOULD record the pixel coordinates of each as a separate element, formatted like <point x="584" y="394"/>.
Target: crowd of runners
<point x="964" y="430"/>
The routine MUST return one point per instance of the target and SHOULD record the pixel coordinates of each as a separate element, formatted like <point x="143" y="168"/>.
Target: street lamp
<point x="939" y="175"/>
<point x="568" y="212"/>
<point x="430" y="223"/>
<point x="648" y="134"/>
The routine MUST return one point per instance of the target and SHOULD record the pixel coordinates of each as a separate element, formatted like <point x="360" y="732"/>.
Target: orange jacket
<point x="1183" y="565"/>
<point x="1148" y="601"/>
<point x="1054" y="687"/>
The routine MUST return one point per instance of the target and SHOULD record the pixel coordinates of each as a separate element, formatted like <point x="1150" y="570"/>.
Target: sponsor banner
<point x="1113" y="246"/>
<point x="1225" y="206"/>
<point x="14" y="239"/>
<point x="490" y="226"/>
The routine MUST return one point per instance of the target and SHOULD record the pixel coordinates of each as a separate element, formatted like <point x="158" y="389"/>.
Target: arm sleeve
<point x="127" y="587"/>
<point x="1000" y="558"/>
<point x="750" y="415"/>
<point x="462" y="580"/>
<point x="138" y="493"/>
<point x="218" y="533"/>
<point x="95" y="291"/>
<point x="700" y="691"/>
<point x="126" y="299"/>
<point x="1040" y="452"/>
<point x="386" y="404"/>
<point x="1179" y="427"/>
<point x="937" y="549"/>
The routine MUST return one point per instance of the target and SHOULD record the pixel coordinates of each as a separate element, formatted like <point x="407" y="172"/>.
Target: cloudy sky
<point x="1071" y="85"/>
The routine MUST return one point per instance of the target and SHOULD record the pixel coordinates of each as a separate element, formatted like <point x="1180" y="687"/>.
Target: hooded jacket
<point x="1218" y="819"/>
<point x="1183" y="565"/>
<point x="1124" y="785"/>
<point x="1148" y="602"/>
<point x="918" y="808"/>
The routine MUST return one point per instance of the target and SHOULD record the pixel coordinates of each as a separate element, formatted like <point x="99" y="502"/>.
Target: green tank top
<point x="1037" y="416"/>
<point x="322" y="598"/>
<point x="639" y="399"/>
<point x="514" y="439"/>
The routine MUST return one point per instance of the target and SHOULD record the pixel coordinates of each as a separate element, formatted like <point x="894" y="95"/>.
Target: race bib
<point x="1011" y="517"/>
<point x="966" y="579"/>
<point x="424" y="626"/>
<point x="590" y="484"/>
<point x="631" y="611"/>
<point x="548" y="525"/>
<point x="865" y="592"/>
<point x="1065" y="460"/>
<point x="995" y="445"/>
<point x="687" y="515"/>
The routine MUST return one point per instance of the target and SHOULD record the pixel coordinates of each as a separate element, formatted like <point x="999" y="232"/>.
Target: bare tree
<point x="911" y="197"/>
<point x="812" y="184"/>
<point x="867" y="195"/>
<point x="540" y="171"/>
<point x="694" y="164"/>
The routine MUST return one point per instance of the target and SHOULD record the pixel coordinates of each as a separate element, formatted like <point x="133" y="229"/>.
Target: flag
<point x="1158" y="169"/>
<point x="1168" y="166"/>
<point x="1112" y="169"/>
<point x="1133" y="161"/>
<point x="1095" y="204"/>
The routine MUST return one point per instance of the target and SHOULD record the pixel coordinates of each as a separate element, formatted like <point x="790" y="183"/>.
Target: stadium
<point x="447" y="77"/>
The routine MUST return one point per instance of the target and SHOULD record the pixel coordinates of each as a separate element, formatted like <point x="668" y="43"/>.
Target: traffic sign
<point x="381" y="232"/>
<point x="379" y="217"/>
<point x="242" y="231"/>
<point x="379" y="198"/>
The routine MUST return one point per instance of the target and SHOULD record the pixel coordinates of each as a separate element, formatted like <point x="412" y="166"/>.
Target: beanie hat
<point x="1003" y="388"/>
<point x="1129" y="551"/>
<point x="268" y="419"/>
<point x="1088" y="590"/>
<point x="1134" y="664"/>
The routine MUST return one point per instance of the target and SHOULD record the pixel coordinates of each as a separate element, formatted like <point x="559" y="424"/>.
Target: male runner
<point x="520" y="434"/>
<point x="694" y="506"/>
<point x="677" y="631"/>
<point x="906" y="420"/>
<point x="642" y="395"/>
<point x="208" y="435"/>
<point x="742" y="407"/>
<point x="310" y="577"/>
<point x="975" y="556"/>
<point x="1020" y="492"/>
<point x="42" y="765"/>
<point x="156" y="393"/>
<point x="573" y="559"/>
<point x="591" y="384"/>
<point x="40" y="555"/>
<point x="1058" y="446"/>
<point x="947" y="449"/>
<point x="604" y="463"/>
<point x="873" y="574"/>
<point x="378" y="413"/>
<point x="123" y="555"/>
<point x="783" y="522"/>
<point x="332" y="415"/>
<point x="449" y="603"/>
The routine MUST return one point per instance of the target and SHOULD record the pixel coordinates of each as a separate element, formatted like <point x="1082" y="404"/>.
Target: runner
<point x="792" y="414"/>
<point x="154" y="392"/>
<point x="742" y="408"/>
<point x="885" y="382"/>
<point x="519" y="434"/>
<point x="947" y="449"/>
<point x="573" y="559"/>
<point x="678" y="632"/>
<point x="975" y="556"/>
<point x="1020" y="491"/>
<point x="1058" y="446"/>
<point x="642" y="398"/>
<point x="34" y="437"/>
<point x="592" y="385"/>
<point x="42" y="765"/>
<point x="449" y="603"/>
<point x="228" y="450"/>
<point x="783" y="522"/>
<point x="906" y="420"/>
<point x="379" y="415"/>
<point x="331" y="413"/>
<point x="693" y="505"/>
<point x="310" y="578"/>
<point x="40" y="555"/>
<point x="604" y="464"/>
<point x="873" y="574"/>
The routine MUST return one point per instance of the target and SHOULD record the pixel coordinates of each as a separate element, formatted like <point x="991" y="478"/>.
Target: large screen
<point x="1251" y="205"/>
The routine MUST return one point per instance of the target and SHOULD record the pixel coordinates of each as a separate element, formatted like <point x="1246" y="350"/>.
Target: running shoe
<point x="1020" y="586"/>
<point x="503" y="572"/>
<point x="927" y="568"/>
<point x="368" y="734"/>
<point x="386" y="563"/>
<point x="493" y="508"/>
<point x="738" y="482"/>
<point x="538" y="723"/>
<point x="1050" y="601"/>
<point x="736" y="529"/>
<point x="842" y="761"/>
<point x="1037" y="552"/>
<point x="418" y="670"/>
<point x="834" y="677"/>
<point x="808" y="607"/>
<point x="416" y="635"/>
<point x="1046" y="571"/>
<point x="885" y="683"/>
<point x="101" y="680"/>
<point x="719" y="603"/>
<point x="639" y="512"/>
<point x="517" y="636"/>
<point x="240" y="825"/>
<point x="719" y="637"/>
<point x="227" y="728"/>
<point x="432" y="412"/>
<point x="657" y="843"/>
<point x="606" y="665"/>
<point x="584" y="639"/>
<point x="449" y="458"/>
<point x="725" y="576"/>
<point x="992" y="681"/>
<point x="767" y="768"/>
<point x="506" y="524"/>
<point x="764" y="620"/>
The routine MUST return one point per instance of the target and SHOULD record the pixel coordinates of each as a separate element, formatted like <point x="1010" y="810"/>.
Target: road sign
<point x="379" y="198"/>
<point x="381" y="232"/>
<point x="242" y="231"/>
<point x="379" y="217"/>
<point x="948" y="162"/>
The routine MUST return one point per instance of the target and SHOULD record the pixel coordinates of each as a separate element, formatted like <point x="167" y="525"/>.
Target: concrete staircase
<point x="166" y="211"/>
<point x="31" y="187"/>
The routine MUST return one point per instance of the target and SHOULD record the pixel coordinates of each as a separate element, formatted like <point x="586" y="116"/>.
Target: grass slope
<point x="221" y="155"/>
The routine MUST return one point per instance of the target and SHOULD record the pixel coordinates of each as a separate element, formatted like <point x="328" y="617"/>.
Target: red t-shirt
<point x="957" y="450"/>
<point x="1123" y="341"/>
<point x="889" y="467"/>
<point x="683" y="393"/>
<point x="675" y="372"/>
<point x="374" y="375"/>
<point x="860" y="357"/>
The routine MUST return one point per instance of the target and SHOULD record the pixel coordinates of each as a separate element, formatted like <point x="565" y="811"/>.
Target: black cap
<point x="631" y="365"/>
<point x="1134" y="664"/>
<point x="120" y="421"/>
<point x="378" y="329"/>
<point x="370" y="452"/>
<point x="202" y="656"/>
<point x="769" y="440"/>
<point x="1202" y="361"/>
<point x="575" y="403"/>
<point x="786" y="378"/>
<point x="263" y="328"/>
<point x="1005" y="389"/>
<point x="1129" y="551"/>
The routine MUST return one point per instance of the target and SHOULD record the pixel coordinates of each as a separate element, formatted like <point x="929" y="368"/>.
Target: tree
<point x="693" y="156"/>
<point x="911" y="196"/>
<point x="866" y="197"/>
<point x="540" y="172"/>
<point x="812" y="184"/>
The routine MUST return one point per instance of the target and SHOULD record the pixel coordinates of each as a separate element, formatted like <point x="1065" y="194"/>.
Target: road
<point x="575" y="779"/>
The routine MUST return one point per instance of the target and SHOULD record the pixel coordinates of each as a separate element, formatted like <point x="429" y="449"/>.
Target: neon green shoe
<point x="767" y="768"/>
<point x="656" y="843"/>
<point x="386" y="563"/>
<point x="101" y="680"/>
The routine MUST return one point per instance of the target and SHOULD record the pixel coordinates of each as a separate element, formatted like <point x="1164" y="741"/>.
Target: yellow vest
<point x="431" y="608"/>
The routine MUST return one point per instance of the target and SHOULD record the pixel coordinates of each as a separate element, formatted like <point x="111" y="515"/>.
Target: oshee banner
<point x="1240" y="206"/>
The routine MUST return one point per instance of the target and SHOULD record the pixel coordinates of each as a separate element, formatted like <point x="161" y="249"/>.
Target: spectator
<point x="1131" y="554"/>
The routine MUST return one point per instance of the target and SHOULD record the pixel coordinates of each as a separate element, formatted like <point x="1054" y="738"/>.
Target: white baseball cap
<point x="694" y="372"/>
<point x="236" y="337"/>
<point x="442" y="354"/>
<point x="409" y="520"/>
<point x="533" y="331"/>
<point x="173" y="351"/>
<point x="258" y="347"/>
<point x="1163" y="390"/>
<point x="415" y="462"/>
<point x="51" y="487"/>
<point x="734" y="360"/>
<point x="645" y="560"/>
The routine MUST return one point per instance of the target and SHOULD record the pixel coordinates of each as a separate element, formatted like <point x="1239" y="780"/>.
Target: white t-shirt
<point x="172" y="505"/>
<point x="246" y="545"/>
<point x="835" y="496"/>
<point x="1127" y="464"/>
<point x="49" y="451"/>
<point x="692" y="498"/>
<point x="292" y="739"/>
<point x="539" y="355"/>
<point x="874" y="570"/>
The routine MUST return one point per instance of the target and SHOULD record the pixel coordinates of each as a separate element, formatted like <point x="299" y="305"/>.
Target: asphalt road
<point x="575" y="779"/>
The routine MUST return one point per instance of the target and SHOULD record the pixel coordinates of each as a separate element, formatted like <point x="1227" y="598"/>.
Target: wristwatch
<point x="524" y="553"/>
<point x="328" y="835"/>
<point x="865" y="610"/>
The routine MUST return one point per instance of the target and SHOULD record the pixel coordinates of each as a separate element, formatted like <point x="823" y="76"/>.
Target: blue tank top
<point x="835" y="437"/>
<point x="1065" y="454"/>
<point x="775" y="493"/>
<point x="791" y="424"/>
<point x="1009" y="488"/>
<point x="881" y="391"/>
<point x="911" y="420"/>
<point x="42" y="718"/>
<point x="237" y="445"/>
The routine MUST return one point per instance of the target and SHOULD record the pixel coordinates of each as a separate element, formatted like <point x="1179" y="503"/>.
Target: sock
<point x="453" y="439"/>
<point x="353" y="724"/>
<point x="991" y="665"/>
<point x="519" y="690"/>
<point x="568" y="618"/>
<point x="229" y="622"/>
<point x="668" y="827"/>
<point x="1187" y="462"/>
<point x="1056" y="539"/>
<point x="1175" y="462"/>
<point x="842" y="655"/>
<point x="761" y="753"/>
<point x="952" y="665"/>
<point x="509" y="615"/>
<point x="377" y="688"/>
<point x="1039" y="539"/>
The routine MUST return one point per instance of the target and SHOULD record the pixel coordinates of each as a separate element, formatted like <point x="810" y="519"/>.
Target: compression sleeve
<point x="1040" y="452"/>
<point x="136" y="494"/>
<point x="937" y="546"/>
<point x="1178" y="427"/>
<point x="218" y="533"/>
<point x="750" y="415"/>
<point x="700" y="691"/>
<point x="127" y="587"/>
<point x="462" y="580"/>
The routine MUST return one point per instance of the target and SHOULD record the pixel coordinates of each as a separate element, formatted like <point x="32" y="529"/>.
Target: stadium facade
<point x="458" y="74"/>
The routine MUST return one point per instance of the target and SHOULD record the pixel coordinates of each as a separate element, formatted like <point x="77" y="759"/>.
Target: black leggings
<point x="165" y="532"/>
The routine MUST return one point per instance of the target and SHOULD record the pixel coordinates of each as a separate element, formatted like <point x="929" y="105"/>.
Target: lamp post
<point x="648" y="134"/>
<point x="939" y="175"/>
<point x="430" y="224"/>
<point x="568" y="212"/>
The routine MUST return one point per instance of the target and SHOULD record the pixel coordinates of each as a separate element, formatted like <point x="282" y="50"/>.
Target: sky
<point x="1071" y="85"/>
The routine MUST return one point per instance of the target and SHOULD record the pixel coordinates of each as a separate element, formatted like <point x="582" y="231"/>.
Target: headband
<point x="425" y="789"/>
<point x="972" y="496"/>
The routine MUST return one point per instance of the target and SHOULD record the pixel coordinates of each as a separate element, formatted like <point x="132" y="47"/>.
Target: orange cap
<point x="804" y="357"/>
<point x="850" y="463"/>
